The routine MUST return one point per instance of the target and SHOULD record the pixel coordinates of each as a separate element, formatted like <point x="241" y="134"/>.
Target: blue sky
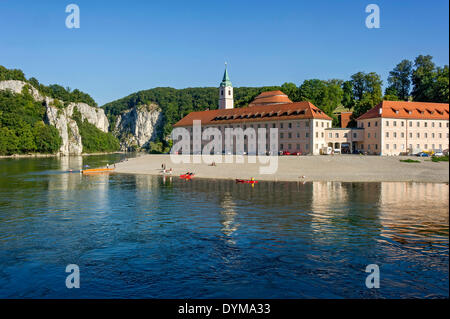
<point x="126" y="46"/>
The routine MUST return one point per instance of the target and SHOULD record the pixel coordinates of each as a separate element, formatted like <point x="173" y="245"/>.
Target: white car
<point x="438" y="153"/>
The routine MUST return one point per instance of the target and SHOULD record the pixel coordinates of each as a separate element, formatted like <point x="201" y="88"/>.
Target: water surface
<point x="146" y="237"/>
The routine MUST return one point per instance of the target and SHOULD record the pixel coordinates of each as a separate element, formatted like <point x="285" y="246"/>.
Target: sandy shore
<point x="344" y="168"/>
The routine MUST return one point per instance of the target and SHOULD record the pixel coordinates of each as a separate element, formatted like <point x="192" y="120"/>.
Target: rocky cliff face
<point x="61" y="118"/>
<point x="138" y="126"/>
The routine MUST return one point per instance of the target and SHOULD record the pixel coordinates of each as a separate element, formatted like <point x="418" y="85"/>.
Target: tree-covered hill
<point x="24" y="127"/>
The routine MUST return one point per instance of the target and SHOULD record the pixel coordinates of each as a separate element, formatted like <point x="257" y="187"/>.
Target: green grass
<point x="440" y="158"/>
<point x="409" y="161"/>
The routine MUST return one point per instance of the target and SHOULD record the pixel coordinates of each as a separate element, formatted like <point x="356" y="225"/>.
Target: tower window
<point x="229" y="92"/>
<point x="221" y="92"/>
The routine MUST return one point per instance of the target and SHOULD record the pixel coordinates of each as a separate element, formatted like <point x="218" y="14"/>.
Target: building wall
<point x="379" y="136"/>
<point x="372" y="136"/>
<point x="413" y="136"/>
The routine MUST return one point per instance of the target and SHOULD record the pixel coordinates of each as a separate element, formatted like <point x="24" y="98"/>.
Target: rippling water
<point x="142" y="236"/>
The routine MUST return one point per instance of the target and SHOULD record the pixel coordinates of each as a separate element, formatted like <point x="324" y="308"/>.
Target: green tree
<point x="367" y="91"/>
<point x="423" y="77"/>
<point x="399" y="80"/>
<point x="348" y="100"/>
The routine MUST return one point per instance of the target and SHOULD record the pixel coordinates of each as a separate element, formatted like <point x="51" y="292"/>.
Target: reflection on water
<point x="149" y="236"/>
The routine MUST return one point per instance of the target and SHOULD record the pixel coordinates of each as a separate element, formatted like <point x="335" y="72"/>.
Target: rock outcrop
<point x="138" y="126"/>
<point x="61" y="117"/>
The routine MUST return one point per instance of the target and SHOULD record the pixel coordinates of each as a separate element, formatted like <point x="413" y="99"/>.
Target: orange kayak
<point x="97" y="170"/>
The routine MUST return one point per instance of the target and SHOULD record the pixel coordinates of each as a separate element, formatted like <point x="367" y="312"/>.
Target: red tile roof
<point x="258" y="113"/>
<point x="270" y="97"/>
<point x="408" y="110"/>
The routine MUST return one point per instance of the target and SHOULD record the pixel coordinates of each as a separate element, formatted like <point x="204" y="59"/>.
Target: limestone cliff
<point x="138" y="126"/>
<point x="61" y="117"/>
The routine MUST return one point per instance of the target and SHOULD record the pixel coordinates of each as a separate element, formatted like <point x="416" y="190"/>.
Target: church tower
<point x="226" y="92"/>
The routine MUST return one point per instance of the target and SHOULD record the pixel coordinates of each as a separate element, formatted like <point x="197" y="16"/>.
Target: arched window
<point x="229" y="92"/>
<point x="221" y="92"/>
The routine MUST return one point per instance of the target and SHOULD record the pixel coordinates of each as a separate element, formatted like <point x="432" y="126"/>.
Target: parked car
<point x="438" y="153"/>
<point x="286" y="153"/>
<point x="423" y="154"/>
<point x="296" y="153"/>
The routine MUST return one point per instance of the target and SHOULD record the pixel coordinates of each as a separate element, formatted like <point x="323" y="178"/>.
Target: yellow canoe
<point x="97" y="170"/>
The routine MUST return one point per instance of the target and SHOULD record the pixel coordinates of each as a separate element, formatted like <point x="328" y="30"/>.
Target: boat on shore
<point x="244" y="181"/>
<point x="97" y="170"/>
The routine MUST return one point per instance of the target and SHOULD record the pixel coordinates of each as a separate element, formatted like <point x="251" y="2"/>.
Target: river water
<point x="146" y="237"/>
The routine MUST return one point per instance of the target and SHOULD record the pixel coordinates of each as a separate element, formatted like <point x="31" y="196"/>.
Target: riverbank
<point x="55" y="155"/>
<point x="343" y="168"/>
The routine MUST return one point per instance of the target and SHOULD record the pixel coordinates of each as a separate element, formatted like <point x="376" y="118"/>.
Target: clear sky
<point x="126" y="46"/>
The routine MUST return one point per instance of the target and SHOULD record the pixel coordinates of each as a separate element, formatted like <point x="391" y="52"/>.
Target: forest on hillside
<point x="418" y="80"/>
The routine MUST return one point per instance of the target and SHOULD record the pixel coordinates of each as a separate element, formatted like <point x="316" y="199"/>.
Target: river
<point x="141" y="236"/>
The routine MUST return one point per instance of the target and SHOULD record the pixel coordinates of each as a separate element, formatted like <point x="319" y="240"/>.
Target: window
<point x="426" y="135"/>
<point x="306" y="134"/>
<point x="307" y="146"/>
<point x="274" y="125"/>
<point x="440" y="135"/>
<point x="426" y="146"/>
<point x="432" y="147"/>
<point x="387" y="146"/>
<point x="362" y="146"/>
<point x="432" y="135"/>
<point x="402" y="123"/>
<point x="328" y="124"/>
<point x="345" y="135"/>
<point x="376" y="123"/>
<point x="403" y="134"/>
<point x="298" y="134"/>
<point x="289" y="135"/>
<point x="298" y="146"/>
<point x="281" y="135"/>
<point x="368" y="135"/>
<point x="281" y="125"/>
<point x="425" y="124"/>
<point x="322" y="124"/>
<point x="418" y="124"/>
<point x="281" y="147"/>
<point x="410" y="124"/>
<point x="330" y="135"/>
<point x="368" y="147"/>
<point x="355" y="135"/>
<point x="289" y="146"/>
<point x="307" y="124"/>
<point x="337" y="135"/>
<point x="221" y="92"/>
<point x="395" y="123"/>
<point x="368" y="124"/>
<point x="432" y="124"/>
<point x="395" y="134"/>
<point x="387" y="134"/>
<point x="418" y="145"/>
<point x="317" y="134"/>
<point x="440" y="124"/>
<point x="395" y="146"/>
<point x="410" y="135"/>
<point x="229" y="92"/>
<point x="376" y="146"/>
<point x="290" y="125"/>
<point x="418" y="135"/>
<point x="317" y="125"/>
<point x="298" y="124"/>
<point x="387" y="123"/>
<point x="322" y="135"/>
<point x="317" y="146"/>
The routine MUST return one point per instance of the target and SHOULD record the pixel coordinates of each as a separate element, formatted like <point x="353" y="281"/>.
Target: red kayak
<point x="187" y="175"/>
<point x="246" y="181"/>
